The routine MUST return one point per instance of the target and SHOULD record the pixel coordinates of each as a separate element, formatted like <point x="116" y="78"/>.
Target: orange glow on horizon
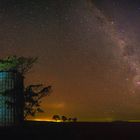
<point x="103" y="120"/>
<point x="44" y="119"/>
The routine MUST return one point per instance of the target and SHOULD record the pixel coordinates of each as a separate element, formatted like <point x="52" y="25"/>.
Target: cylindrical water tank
<point x="11" y="98"/>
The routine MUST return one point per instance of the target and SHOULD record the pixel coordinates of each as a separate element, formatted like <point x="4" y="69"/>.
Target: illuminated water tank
<point x="11" y="98"/>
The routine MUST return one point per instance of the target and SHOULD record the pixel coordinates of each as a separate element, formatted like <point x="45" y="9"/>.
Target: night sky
<point x="88" y="50"/>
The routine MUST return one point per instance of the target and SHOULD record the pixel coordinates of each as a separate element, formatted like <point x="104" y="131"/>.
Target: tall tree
<point x="32" y="93"/>
<point x="20" y="64"/>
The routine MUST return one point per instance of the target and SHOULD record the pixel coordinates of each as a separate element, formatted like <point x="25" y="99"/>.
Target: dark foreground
<point x="79" y="131"/>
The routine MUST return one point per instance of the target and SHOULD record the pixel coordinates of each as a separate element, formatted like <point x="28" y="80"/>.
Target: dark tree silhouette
<point x="69" y="119"/>
<point x="33" y="95"/>
<point x="74" y="119"/>
<point x="64" y="118"/>
<point x="56" y="117"/>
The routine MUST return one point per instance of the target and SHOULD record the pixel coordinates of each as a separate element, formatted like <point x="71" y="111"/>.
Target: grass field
<point x="77" y="130"/>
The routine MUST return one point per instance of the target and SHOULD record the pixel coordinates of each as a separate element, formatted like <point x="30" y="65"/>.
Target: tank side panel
<point x="11" y="98"/>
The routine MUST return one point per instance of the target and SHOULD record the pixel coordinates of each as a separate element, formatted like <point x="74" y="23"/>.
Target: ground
<point x="79" y="131"/>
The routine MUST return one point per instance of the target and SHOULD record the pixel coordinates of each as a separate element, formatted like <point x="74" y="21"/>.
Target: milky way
<point x="126" y="49"/>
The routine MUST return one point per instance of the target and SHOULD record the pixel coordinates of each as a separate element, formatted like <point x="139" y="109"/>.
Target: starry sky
<point x="88" y="51"/>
